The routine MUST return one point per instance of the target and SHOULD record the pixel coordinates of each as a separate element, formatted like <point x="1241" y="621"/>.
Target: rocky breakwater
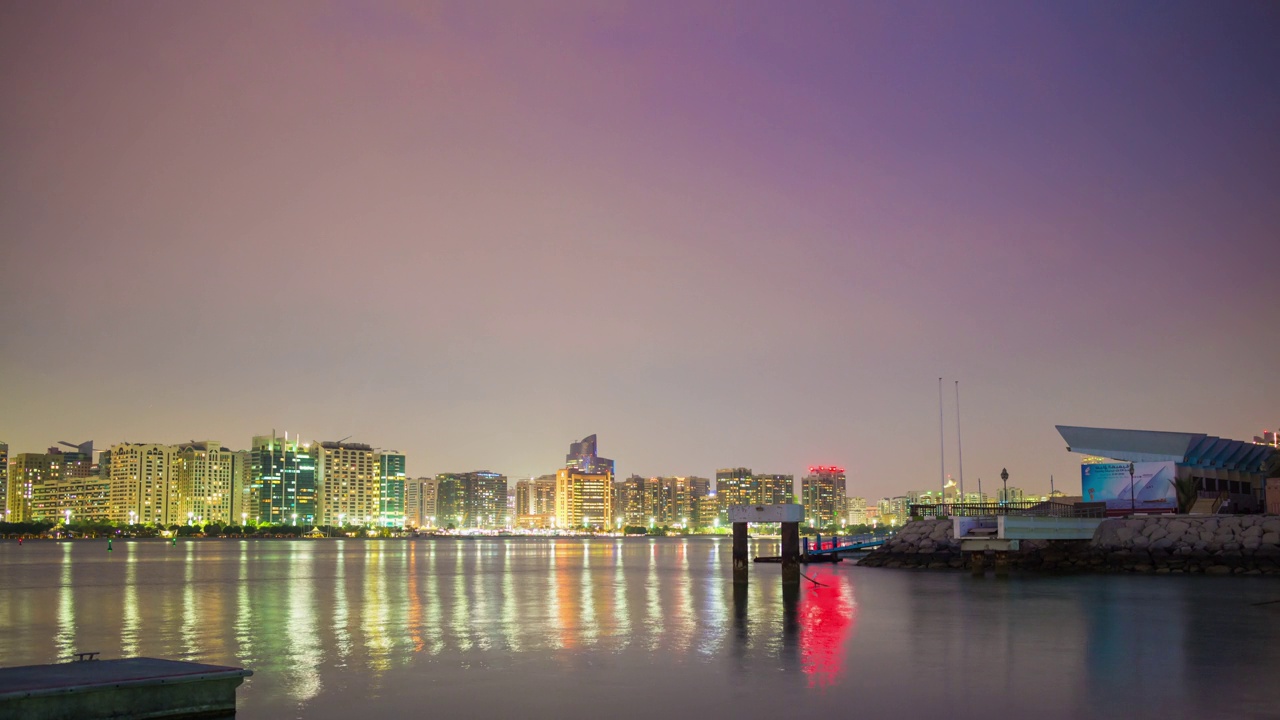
<point x="920" y="544"/>
<point x="1196" y="544"/>
<point x="1210" y="544"/>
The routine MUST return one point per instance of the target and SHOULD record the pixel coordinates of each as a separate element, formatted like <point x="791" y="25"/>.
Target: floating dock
<point x="127" y="689"/>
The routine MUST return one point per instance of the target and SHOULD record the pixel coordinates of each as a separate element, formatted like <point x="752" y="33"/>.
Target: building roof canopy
<point x="1193" y="449"/>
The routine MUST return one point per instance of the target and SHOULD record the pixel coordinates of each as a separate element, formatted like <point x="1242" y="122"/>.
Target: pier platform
<point x="125" y="689"/>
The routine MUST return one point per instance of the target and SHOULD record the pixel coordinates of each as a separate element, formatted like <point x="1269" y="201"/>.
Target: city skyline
<point x="716" y="235"/>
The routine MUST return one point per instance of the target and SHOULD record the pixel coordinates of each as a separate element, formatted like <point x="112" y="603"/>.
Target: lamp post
<point x="1004" y="494"/>
<point x="1132" y="504"/>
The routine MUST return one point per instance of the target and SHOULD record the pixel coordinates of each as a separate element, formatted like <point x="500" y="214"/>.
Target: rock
<point x="1271" y="525"/>
<point x="1141" y="541"/>
<point x="1271" y="538"/>
<point x="1124" y="535"/>
<point x="1177" y="526"/>
<point x="1217" y="570"/>
<point x="1161" y="543"/>
<point x="1251" y="543"/>
<point x="1156" y="533"/>
<point x="1252" y="531"/>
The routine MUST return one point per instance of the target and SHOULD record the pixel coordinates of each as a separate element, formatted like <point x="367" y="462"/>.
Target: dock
<point x="125" y="689"/>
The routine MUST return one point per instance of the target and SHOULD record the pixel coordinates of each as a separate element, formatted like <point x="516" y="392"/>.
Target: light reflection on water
<point x="503" y="627"/>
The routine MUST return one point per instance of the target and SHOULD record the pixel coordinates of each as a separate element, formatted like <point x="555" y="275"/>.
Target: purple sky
<point x="713" y="233"/>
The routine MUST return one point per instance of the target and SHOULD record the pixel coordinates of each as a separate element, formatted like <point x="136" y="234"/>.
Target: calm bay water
<point x="639" y="628"/>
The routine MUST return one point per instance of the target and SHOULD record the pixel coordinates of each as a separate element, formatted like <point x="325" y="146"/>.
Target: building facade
<point x="348" y="491"/>
<point x="823" y="490"/>
<point x="584" y="500"/>
<point x="142" y="490"/>
<point x="28" y="472"/>
<point x="391" y="479"/>
<point x="583" y="458"/>
<point x="282" y="482"/>
<point x="209" y="478"/>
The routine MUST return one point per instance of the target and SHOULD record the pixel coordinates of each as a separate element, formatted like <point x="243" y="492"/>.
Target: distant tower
<point x="583" y="458"/>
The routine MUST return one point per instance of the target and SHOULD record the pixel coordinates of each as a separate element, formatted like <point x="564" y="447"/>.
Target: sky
<point x="713" y="233"/>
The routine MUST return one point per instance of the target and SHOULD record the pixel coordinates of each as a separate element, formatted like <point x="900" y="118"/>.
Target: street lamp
<point x="1004" y="478"/>
<point x="1132" y="504"/>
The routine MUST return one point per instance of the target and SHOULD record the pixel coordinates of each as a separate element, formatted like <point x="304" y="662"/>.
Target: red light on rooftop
<point x="825" y="469"/>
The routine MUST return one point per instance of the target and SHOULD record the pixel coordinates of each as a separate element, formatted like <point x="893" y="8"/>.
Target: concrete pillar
<point x="978" y="563"/>
<point x="791" y="553"/>
<point x="740" y="553"/>
<point x="1002" y="564"/>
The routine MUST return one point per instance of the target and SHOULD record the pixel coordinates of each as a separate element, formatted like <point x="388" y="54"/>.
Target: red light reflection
<point x="827" y="619"/>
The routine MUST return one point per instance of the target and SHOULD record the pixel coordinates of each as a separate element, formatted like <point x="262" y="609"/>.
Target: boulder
<point x="1217" y="570"/>
<point x="1252" y="531"/>
<point x="1177" y="527"/>
<point x="1271" y="538"/>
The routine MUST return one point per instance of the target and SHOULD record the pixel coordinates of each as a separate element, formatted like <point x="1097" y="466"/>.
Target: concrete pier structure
<point x="127" y="689"/>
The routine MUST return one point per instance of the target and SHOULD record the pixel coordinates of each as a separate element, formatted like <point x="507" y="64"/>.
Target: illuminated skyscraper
<point x="823" y="490"/>
<point x="391" y="477"/>
<point x="584" y="499"/>
<point x="632" y="501"/>
<point x="420" y="502"/>
<point x="27" y="473"/>
<point x="209" y="479"/>
<point x="141" y="484"/>
<point x="484" y="503"/>
<point x="4" y="477"/>
<point x="734" y="486"/>
<point x="348" y="491"/>
<point x="282" y="481"/>
<point x="583" y="458"/>
<point x="774" y="489"/>
<point x="450" y="494"/>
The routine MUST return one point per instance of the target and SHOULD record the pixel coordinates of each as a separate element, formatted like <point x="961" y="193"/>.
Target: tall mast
<point x="959" y="448"/>
<point x="942" y="449"/>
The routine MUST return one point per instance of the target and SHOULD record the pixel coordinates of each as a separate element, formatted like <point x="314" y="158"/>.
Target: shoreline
<point x="1157" y="544"/>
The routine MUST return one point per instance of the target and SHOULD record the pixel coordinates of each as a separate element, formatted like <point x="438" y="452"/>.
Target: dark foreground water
<point x="638" y="628"/>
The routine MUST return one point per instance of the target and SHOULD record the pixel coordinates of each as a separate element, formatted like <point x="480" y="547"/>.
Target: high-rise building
<point x="450" y="496"/>
<point x="78" y="462"/>
<point x="583" y="458"/>
<point x="703" y="507"/>
<point x="348" y="491"/>
<point x="734" y="486"/>
<point x="584" y="499"/>
<point x="84" y="498"/>
<point x="141" y="486"/>
<point x="209" y="478"/>
<point x="633" y="505"/>
<point x="823" y="490"/>
<point x="856" y="509"/>
<point x="4" y="477"/>
<point x="774" y="489"/>
<point x="536" y="502"/>
<point x="282" y="481"/>
<point x="391" y="478"/>
<point x="484" y="503"/>
<point x="104" y="464"/>
<point x="27" y="473"/>
<point x="420" y="502"/>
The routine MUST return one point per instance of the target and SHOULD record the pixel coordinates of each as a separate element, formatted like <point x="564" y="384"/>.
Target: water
<point x="639" y="628"/>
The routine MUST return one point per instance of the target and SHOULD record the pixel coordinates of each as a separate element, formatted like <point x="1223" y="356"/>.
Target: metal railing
<point x="1025" y="508"/>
